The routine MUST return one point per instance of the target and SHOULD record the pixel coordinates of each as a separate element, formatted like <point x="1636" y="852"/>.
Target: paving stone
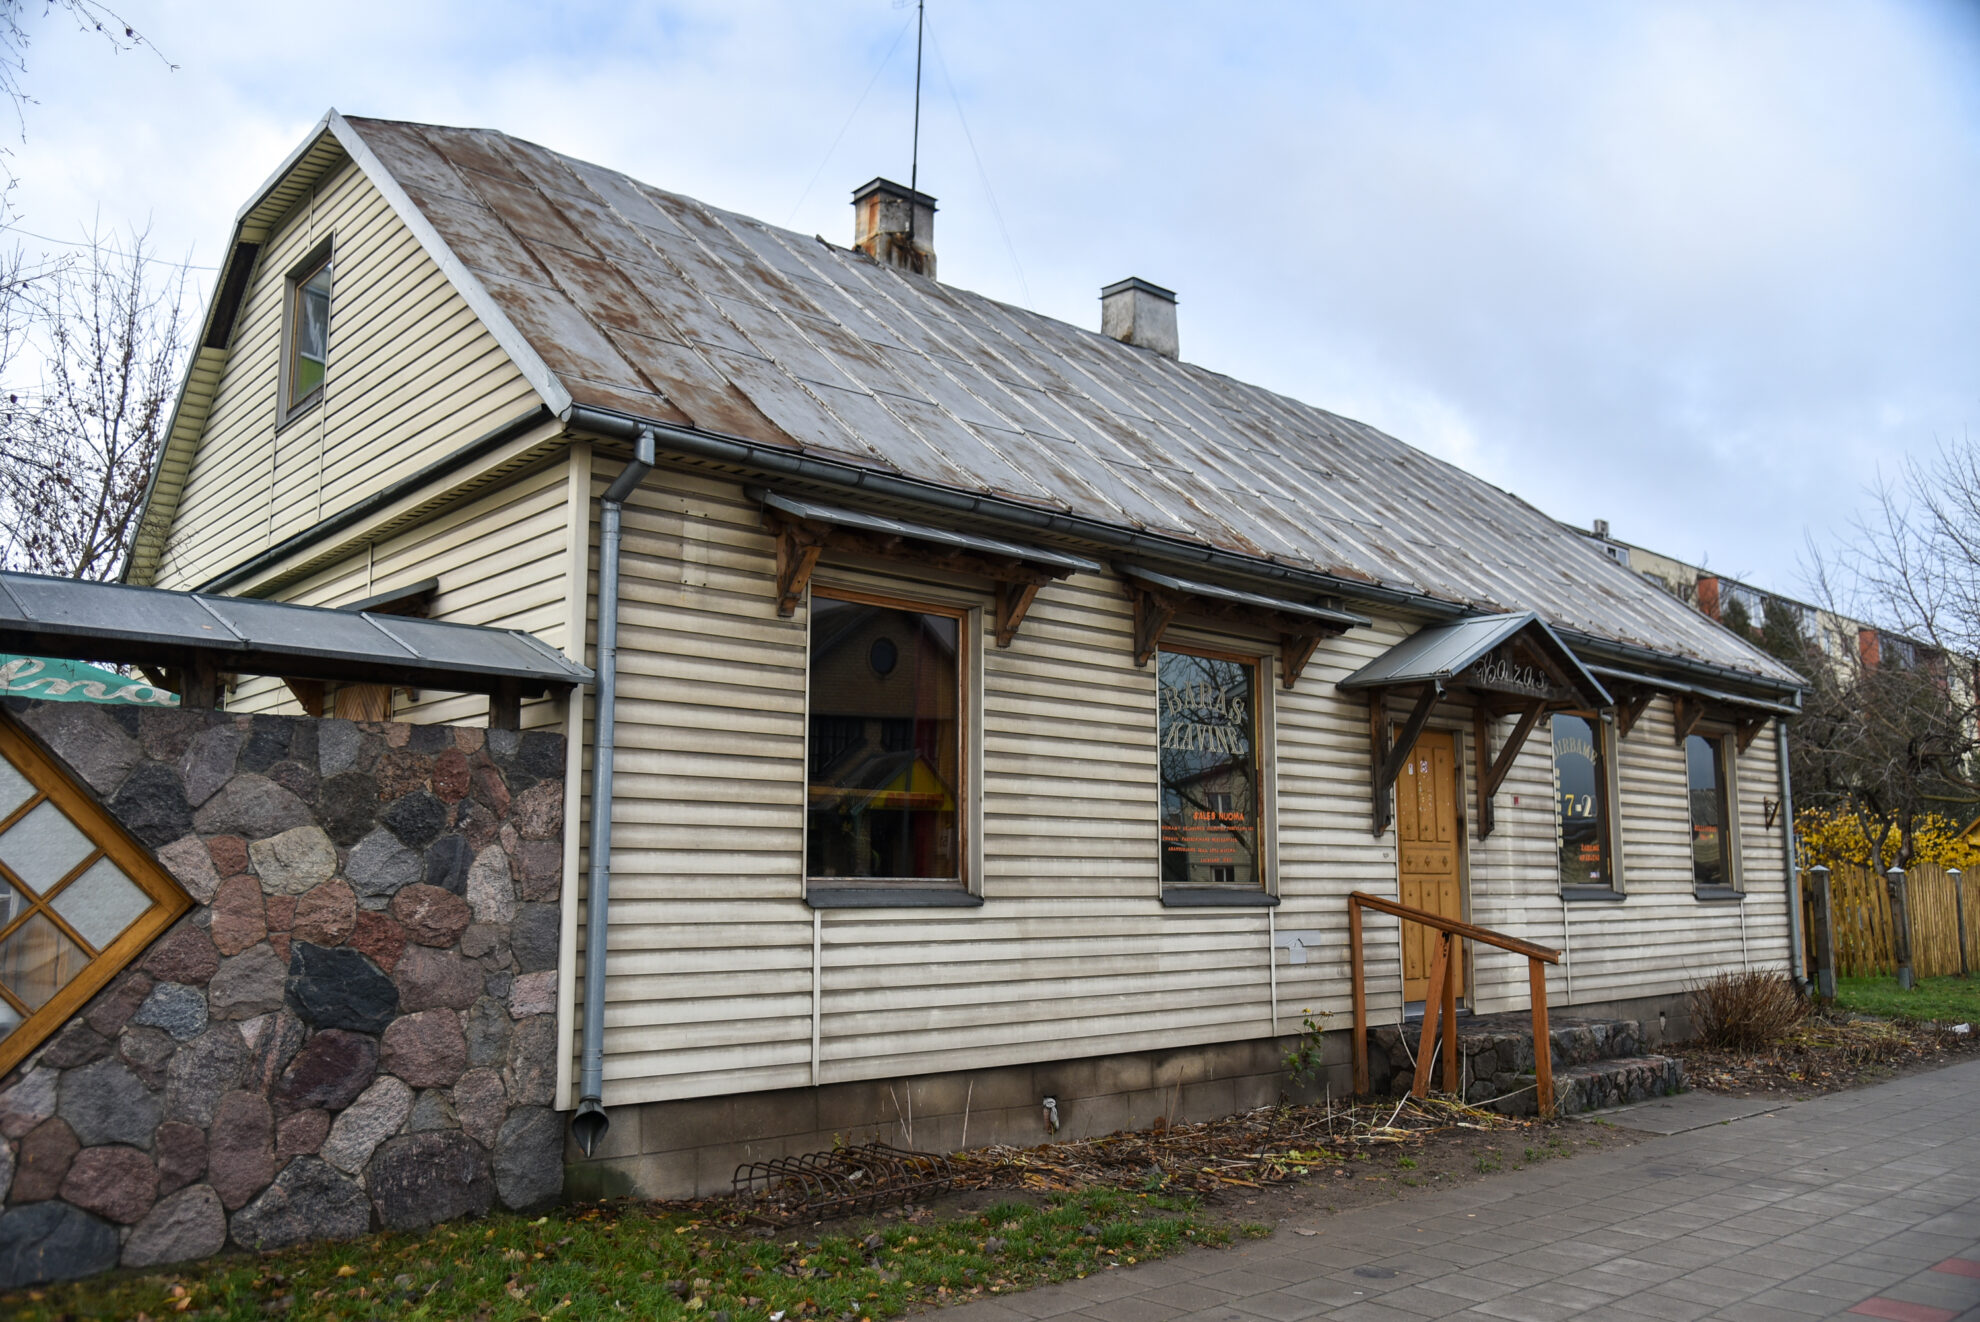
<point x="175" y="1008"/>
<point x="337" y="987"/>
<point x="107" y="1103"/>
<point x="294" y="861"/>
<point x="52" y="1241"/>
<point x="184" y="1226"/>
<point x="420" y="1180"/>
<point x="116" y="1183"/>
<point x="309" y="1200"/>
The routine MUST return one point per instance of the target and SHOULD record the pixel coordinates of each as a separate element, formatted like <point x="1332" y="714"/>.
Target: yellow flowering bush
<point x="1832" y="837"/>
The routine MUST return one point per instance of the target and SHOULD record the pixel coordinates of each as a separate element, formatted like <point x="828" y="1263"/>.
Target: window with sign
<point x="1712" y="862"/>
<point x="883" y="797"/>
<point x="78" y="898"/>
<point x="1208" y="741"/>
<point x="1581" y="801"/>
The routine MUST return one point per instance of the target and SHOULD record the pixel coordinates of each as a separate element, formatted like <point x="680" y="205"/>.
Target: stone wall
<point x="355" y="1027"/>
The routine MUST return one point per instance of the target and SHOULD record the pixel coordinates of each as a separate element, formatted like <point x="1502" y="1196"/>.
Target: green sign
<point x="72" y="681"/>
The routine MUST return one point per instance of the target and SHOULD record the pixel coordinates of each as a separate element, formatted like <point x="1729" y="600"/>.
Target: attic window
<point x="309" y="331"/>
<point x="78" y="898"/>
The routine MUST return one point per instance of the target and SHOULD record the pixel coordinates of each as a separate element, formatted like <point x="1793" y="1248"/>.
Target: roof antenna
<point x="914" y="159"/>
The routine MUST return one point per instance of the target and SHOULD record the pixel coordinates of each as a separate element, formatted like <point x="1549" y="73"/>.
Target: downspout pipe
<point x="1797" y="948"/>
<point x="590" y="1122"/>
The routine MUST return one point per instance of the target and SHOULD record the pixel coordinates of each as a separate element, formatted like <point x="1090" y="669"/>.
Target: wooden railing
<point x="1440" y="1001"/>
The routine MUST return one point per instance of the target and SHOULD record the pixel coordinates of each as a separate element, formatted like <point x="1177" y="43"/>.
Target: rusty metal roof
<point x="628" y="298"/>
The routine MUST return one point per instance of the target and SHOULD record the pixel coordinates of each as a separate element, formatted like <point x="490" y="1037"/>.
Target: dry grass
<point x="1745" y="1011"/>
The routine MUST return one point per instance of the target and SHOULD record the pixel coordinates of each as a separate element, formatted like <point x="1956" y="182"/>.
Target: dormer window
<point x="309" y="331"/>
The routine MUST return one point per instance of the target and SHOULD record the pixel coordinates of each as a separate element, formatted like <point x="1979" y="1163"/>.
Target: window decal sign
<point x="1207" y="739"/>
<point x="1580" y="801"/>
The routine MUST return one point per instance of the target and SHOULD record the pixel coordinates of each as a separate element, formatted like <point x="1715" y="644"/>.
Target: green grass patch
<point x="636" y="1261"/>
<point x="1950" y="1000"/>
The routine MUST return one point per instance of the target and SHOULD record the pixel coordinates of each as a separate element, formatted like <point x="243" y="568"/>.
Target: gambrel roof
<point x="613" y="295"/>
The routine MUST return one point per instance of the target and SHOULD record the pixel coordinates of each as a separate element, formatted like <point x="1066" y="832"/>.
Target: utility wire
<point x="885" y="60"/>
<point x="981" y="173"/>
<point x="115" y="252"/>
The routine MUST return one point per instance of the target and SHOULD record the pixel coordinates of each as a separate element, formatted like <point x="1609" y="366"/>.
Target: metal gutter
<point x="785" y="462"/>
<point x="591" y="1122"/>
<point x="1633" y="652"/>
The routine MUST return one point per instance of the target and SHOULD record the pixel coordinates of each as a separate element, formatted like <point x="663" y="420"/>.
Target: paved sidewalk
<point x="1863" y="1204"/>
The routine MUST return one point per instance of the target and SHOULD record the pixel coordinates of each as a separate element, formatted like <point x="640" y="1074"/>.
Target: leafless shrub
<point x="1745" y="1011"/>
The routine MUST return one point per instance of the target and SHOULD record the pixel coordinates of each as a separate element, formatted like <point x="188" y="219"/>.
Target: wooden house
<point x="1003" y="709"/>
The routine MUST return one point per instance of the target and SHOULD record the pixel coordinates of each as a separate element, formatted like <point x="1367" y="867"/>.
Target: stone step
<point x="1495" y="1052"/>
<point x="1594" y="1086"/>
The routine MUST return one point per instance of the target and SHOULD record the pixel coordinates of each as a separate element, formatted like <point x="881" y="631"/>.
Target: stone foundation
<point x="354" y="1027"/>
<point x="691" y="1148"/>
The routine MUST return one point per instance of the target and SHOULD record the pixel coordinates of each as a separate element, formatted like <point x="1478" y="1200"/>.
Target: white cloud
<point x="1696" y="268"/>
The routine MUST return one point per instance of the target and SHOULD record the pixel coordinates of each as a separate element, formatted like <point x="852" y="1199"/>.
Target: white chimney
<point x="1138" y="313"/>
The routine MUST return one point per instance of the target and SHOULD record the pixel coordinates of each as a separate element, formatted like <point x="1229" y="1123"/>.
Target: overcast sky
<point x="1699" y="269"/>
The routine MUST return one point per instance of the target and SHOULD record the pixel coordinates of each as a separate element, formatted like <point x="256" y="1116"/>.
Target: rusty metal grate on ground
<point x="843" y="1182"/>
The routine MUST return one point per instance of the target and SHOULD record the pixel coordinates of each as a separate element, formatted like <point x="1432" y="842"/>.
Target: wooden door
<point x="1427" y="841"/>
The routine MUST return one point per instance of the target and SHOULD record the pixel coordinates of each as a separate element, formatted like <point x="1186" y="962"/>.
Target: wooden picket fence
<point x="1863" y="929"/>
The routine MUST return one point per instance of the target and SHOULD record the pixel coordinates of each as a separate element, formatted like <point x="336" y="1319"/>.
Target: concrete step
<point x="1595" y="1086"/>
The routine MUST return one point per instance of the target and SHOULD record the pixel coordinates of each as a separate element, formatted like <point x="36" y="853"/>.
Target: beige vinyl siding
<point x="710" y="981"/>
<point x="501" y="561"/>
<point x="413" y="376"/>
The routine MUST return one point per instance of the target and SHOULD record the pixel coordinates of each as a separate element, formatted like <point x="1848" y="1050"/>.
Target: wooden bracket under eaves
<point x="800" y="543"/>
<point x="1492" y="768"/>
<point x="1156" y="608"/>
<point x="1386" y="754"/>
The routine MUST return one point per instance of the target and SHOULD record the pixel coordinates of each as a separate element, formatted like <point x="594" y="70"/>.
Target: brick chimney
<point x="896" y="225"/>
<point x="1136" y="312"/>
<point x="1708" y="595"/>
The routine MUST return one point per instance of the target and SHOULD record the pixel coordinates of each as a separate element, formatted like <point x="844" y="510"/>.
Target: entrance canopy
<point x="1506" y="664"/>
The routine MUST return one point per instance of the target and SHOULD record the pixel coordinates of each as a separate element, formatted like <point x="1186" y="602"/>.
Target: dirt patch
<point x="1824" y="1055"/>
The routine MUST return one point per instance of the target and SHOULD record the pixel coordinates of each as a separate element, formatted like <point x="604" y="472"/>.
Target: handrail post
<point x="1360" y="991"/>
<point x="1543" y="1042"/>
<point x="1452" y="953"/>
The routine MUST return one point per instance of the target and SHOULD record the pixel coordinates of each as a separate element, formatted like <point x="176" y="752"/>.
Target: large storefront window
<point x="1711" y="834"/>
<point x="883" y="794"/>
<point x="1208" y="737"/>
<point x="1581" y="801"/>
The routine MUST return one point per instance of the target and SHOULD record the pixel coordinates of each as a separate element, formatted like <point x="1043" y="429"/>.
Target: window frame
<point x="1609" y="780"/>
<point x="321" y="258"/>
<point x="1734" y="886"/>
<point x="964" y="890"/>
<point x="169" y="900"/>
<point x="1212" y="894"/>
